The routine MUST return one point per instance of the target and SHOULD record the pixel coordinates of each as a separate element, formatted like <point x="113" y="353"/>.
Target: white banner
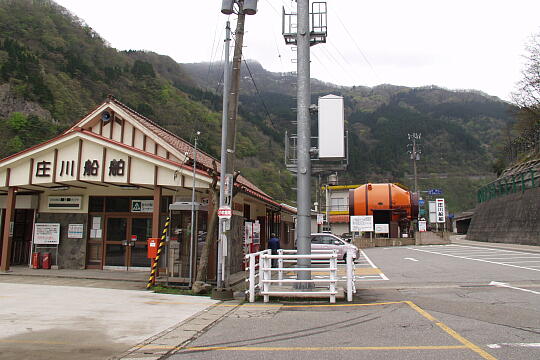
<point x="362" y="223"/>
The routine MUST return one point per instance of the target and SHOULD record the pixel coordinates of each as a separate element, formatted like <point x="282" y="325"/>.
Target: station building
<point x="93" y="195"/>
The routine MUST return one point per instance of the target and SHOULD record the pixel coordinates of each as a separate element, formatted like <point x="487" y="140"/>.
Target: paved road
<point x="434" y="302"/>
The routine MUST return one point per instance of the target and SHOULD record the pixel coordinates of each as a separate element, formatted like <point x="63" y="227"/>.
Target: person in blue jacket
<point x="274" y="245"/>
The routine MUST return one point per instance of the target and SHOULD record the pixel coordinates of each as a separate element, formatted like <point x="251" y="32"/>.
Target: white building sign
<point x="441" y="217"/>
<point x="142" y="206"/>
<point x="362" y="223"/>
<point x="46" y="234"/>
<point x="382" y="228"/>
<point x="67" y="202"/>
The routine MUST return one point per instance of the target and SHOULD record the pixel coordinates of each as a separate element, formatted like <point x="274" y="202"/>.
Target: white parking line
<point x="533" y="268"/>
<point x="505" y="285"/>
<point x="512" y="258"/>
<point x="527" y="345"/>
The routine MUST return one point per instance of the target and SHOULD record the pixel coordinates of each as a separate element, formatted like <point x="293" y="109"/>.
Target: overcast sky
<point x="458" y="44"/>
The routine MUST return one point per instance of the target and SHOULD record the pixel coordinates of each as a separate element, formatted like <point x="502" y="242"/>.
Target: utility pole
<point x="230" y="112"/>
<point x="235" y="88"/>
<point x="414" y="152"/>
<point x="303" y="175"/>
<point x="192" y="232"/>
<point x="223" y="170"/>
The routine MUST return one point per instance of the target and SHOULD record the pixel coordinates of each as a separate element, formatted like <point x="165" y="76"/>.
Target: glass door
<point x="116" y="241"/>
<point x="141" y="229"/>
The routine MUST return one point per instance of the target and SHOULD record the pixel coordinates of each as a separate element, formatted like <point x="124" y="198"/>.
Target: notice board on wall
<point x="46" y="234"/>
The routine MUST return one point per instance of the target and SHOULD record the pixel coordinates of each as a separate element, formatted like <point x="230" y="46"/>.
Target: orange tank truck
<point x="388" y="203"/>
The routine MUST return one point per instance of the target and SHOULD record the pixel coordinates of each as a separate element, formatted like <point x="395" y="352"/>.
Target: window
<point x="317" y="240"/>
<point x="96" y="204"/>
<point x="339" y="204"/>
<point x="117" y="204"/>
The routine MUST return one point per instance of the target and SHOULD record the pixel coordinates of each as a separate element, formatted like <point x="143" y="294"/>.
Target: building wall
<point x="513" y="218"/>
<point x="71" y="252"/>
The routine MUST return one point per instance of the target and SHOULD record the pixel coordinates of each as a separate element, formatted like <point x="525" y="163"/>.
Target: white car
<point x="324" y="241"/>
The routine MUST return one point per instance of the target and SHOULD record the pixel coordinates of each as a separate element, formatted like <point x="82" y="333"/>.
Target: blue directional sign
<point x="421" y="202"/>
<point x="435" y="192"/>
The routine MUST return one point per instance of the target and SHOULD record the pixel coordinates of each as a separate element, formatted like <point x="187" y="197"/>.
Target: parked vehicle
<point x="323" y="241"/>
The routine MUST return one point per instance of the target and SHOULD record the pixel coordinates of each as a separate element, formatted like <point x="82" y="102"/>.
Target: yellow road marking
<point x="367" y="271"/>
<point x="296" y="348"/>
<point x="451" y="332"/>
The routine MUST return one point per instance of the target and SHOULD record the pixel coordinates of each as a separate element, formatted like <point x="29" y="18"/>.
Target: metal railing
<point x="260" y="277"/>
<point x="510" y="184"/>
<point x="254" y="274"/>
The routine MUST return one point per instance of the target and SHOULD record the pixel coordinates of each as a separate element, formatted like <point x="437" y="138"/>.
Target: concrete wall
<point x="513" y="218"/>
<point x="71" y="252"/>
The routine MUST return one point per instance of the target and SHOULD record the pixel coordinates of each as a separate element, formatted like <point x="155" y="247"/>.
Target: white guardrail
<point x="260" y="273"/>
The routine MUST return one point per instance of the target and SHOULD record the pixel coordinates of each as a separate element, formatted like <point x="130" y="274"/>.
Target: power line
<point x="358" y="48"/>
<point x="346" y="61"/>
<point x="259" y="94"/>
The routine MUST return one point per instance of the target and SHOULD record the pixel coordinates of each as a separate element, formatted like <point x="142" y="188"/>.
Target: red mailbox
<point x="46" y="261"/>
<point x="153" y="244"/>
<point x="35" y="260"/>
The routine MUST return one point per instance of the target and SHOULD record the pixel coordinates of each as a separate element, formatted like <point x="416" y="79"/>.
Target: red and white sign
<point x="224" y="212"/>
<point x="441" y="216"/>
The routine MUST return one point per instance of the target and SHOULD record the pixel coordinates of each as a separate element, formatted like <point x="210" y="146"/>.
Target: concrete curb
<point x="171" y="340"/>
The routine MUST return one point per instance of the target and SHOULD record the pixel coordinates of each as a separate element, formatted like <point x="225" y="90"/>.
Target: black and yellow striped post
<point x="152" y="279"/>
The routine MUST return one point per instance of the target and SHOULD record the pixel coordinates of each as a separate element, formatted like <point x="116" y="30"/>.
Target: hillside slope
<point x="54" y="69"/>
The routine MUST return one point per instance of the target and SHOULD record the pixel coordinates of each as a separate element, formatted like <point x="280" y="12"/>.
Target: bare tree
<point x="527" y="94"/>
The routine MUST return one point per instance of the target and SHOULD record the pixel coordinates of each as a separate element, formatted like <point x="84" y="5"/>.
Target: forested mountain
<point x="54" y="69"/>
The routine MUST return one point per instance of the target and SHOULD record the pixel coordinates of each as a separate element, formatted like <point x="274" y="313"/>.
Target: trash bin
<point x="46" y="261"/>
<point x="35" y="260"/>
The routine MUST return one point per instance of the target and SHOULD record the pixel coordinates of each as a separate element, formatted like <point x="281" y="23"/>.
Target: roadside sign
<point x="422" y="226"/>
<point x="432" y="212"/>
<point x="421" y="202"/>
<point x="382" y="228"/>
<point x="435" y="192"/>
<point x="361" y="223"/>
<point x="441" y="217"/>
<point x="320" y="219"/>
<point x="224" y="212"/>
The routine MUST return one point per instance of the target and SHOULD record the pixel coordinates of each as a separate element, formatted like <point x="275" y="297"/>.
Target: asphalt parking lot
<point x="429" y="302"/>
<point x="434" y="302"/>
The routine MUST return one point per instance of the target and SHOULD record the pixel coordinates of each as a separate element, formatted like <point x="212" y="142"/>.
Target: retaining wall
<point x="514" y="218"/>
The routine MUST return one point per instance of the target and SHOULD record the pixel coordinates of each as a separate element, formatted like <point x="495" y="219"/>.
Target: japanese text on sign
<point x="362" y="223"/>
<point x="440" y="210"/>
<point x="46" y="234"/>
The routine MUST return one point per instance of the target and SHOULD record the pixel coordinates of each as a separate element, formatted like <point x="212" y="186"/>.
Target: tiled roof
<point x="185" y="147"/>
